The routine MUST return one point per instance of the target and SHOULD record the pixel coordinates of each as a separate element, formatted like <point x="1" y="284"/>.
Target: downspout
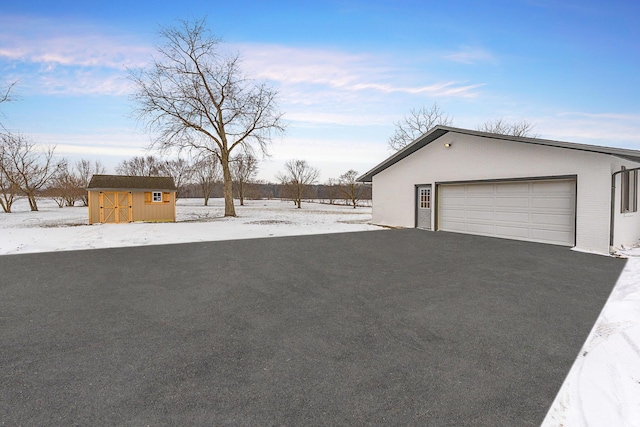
<point x="613" y="201"/>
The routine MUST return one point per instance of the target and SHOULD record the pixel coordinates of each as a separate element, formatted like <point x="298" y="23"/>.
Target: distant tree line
<point x="32" y="171"/>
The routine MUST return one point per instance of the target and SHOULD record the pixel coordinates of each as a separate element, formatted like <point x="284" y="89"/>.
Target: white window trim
<point x="155" y="194"/>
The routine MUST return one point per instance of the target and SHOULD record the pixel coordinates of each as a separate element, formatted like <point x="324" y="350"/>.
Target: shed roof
<point x="438" y="131"/>
<point x="122" y="182"/>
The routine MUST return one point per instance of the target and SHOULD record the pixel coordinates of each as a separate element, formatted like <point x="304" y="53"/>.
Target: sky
<point x="345" y="71"/>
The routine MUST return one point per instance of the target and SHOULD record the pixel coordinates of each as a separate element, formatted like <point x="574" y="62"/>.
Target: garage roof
<point x="122" y="182"/>
<point x="438" y="131"/>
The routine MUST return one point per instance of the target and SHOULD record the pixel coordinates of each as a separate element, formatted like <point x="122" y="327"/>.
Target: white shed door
<point x="536" y="211"/>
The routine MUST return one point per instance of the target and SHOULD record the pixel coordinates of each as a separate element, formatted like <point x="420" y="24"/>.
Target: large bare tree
<point x="416" y="123"/>
<point x="501" y="126"/>
<point x="297" y="177"/>
<point x="244" y="168"/>
<point x="26" y="166"/>
<point x="195" y="97"/>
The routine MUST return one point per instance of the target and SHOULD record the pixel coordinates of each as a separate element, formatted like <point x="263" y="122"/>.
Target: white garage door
<point x="537" y="211"/>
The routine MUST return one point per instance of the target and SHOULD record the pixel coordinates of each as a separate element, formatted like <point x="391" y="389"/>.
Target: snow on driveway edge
<point x="603" y="385"/>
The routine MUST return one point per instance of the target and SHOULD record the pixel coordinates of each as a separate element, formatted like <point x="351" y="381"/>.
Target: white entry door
<point x="424" y="207"/>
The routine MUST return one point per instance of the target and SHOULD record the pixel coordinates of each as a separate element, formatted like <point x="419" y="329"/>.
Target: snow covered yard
<point x="602" y="388"/>
<point x="57" y="229"/>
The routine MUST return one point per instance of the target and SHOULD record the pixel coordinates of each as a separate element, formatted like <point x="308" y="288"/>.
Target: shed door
<point x="115" y="206"/>
<point x="423" y="219"/>
<point x="537" y="211"/>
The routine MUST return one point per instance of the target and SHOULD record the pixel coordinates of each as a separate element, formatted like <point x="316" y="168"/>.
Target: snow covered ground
<point x="601" y="389"/>
<point x="60" y="229"/>
<point x="603" y="385"/>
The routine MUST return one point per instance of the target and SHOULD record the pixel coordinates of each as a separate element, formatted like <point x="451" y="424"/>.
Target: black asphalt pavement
<point x="394" y="327"/>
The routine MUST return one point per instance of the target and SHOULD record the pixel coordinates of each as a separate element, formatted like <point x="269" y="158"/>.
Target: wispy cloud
<point x="42" y="41"/>
<point x="470" y="56"/>
<point x="60" y="57"/>
<point x="346" y="71"/>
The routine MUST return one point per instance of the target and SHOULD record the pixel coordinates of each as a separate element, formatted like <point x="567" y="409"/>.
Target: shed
<point x="532" y="189"/>
<point x="118" y="198"/>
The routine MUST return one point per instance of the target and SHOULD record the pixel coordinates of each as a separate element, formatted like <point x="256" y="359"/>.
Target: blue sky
<point x="346" y="71"/>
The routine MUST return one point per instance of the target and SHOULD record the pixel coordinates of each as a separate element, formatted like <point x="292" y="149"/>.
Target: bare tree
<point x="350" y="188"/>
<point x="27" y="167"/>
<point x="181" y="170"/>
<point x="207" y="173"/>
<point x="194" y="97"/>
<point x="5" y="95"/>
<point x="331" y="189"/>
<point x="8" y="189"/>
<point x="244" y="168"/>
<point x="297" y="177"/>
<point x="502" y="127"/>
<point x="142" y="166"/>
<point x="85" y="169"/>
<point x="417" y="123"/>
<point x="65" y="186"/>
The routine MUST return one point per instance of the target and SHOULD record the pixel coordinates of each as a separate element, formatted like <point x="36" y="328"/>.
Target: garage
<point x="541" y="210"/>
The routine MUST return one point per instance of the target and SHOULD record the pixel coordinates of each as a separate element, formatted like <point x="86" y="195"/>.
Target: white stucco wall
<point x="478" y="158"/>
<point x="626" y="225"/>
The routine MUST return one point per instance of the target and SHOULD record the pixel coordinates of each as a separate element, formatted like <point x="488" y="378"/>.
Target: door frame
<point x="416" y="193"/>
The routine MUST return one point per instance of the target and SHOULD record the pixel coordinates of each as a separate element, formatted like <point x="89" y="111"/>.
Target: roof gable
<point x="438" y="131"/>
<point x="122" y="182"/>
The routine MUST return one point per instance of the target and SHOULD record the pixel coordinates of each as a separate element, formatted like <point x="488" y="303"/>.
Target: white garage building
<point x="531" y="189"/>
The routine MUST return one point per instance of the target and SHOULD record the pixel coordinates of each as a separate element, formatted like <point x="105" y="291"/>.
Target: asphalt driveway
<point x="399" y="327"/>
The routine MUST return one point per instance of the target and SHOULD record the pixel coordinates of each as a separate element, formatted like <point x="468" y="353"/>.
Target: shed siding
<point x="473" y="158"/>
<point x="141" y="211"/>
<point x="94" y="207"/>
<point x="158" y="211"/>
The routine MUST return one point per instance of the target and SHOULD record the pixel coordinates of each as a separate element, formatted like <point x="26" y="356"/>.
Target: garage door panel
<point x="511" y="202"/>
<point x="452" y="214"/>
<point x="457" y="226"/>
<point x="480" y="201"/>
<point x="512" y="188"/>
<point x="453" y="201"/>
<point x="541" y="211"/>
<point x="480" y="228"/>
<point x="512" y="232"/>
<point x="522" y="217"/>
<point x="551" y="235"/>
<point x="482" y="215"/>
<point x="565" y="203"/>
<point x="550" y="219"/>
<point x="558" y="186"/>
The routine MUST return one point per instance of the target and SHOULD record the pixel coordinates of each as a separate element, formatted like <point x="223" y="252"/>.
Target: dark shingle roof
<point x="438" y="131"/>
<point x="121" y="182"/>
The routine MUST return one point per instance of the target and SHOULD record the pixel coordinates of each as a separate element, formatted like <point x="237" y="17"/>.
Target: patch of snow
<point x="603" y="385"/>
<point x="60" y="229"/>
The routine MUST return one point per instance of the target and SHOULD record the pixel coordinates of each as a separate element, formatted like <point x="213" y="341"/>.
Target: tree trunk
<point x="32" y="203"/>
<point x="241" y="192"/>
<point x="229" y="208"/>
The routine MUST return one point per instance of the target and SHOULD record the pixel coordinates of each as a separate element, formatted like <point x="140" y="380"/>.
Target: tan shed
<point x="117" y="198"/>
